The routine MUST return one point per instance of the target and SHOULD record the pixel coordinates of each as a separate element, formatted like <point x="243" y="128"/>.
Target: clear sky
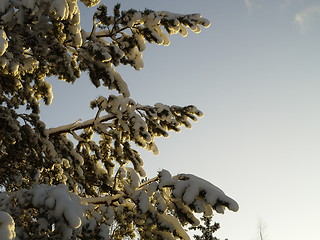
<point x="255" y="75"/>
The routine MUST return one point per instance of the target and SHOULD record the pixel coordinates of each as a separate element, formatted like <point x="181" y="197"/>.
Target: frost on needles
<point x="84" y="180"/>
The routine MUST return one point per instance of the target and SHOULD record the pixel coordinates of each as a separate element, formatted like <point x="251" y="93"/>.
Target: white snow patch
<point x="3" y="42"/>
<point x="4" y="5"/>
<point x="28" y="3"/>
<point x="7" y="231"/>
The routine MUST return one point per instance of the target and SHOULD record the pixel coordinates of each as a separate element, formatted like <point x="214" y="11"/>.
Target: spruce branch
<point x="114" y="198"/>
<point x="77" y="126"/>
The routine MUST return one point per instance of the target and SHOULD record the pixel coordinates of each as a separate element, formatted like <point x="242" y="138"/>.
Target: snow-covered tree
<point x="85" y="180"/>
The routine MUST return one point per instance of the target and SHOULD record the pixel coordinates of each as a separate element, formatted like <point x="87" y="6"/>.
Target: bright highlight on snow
<point x="3" y="42"/>
<point x="7" y="231"/>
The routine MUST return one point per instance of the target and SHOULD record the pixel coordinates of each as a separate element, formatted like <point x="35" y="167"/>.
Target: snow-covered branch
<point x="79" y="125"/>
<point x="110" y="199"/>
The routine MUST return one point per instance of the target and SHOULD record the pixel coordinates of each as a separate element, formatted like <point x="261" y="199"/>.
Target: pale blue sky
<point x="255" y="75"/>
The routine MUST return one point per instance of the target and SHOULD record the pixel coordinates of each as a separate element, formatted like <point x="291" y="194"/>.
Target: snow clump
<point x="6" y="226"/>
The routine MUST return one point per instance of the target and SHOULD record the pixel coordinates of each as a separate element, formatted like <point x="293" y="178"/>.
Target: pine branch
<point x="76" y="126"/>
<point x="110" y="199"/>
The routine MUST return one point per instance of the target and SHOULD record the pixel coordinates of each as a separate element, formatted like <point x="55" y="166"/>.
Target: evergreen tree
<point x="84" y="180"/>
<point x="207" y="229"/>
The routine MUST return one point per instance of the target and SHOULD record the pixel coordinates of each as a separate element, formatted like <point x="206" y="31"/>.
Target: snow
<point x="43" y="223"/>
<point x="161" y="203"/>
<point x="3" y="42"/>
<point x="189" y="188"/>
<point x="104" y="232"/>
<point x="8" y="16"/>
<point x="60" y="8"/>
<point x="74" y="12"/>
<point x="122" y="86"/>
<point x="135" y="55"/>
<point x="165" y="178"/>
<point x="109" y="215"/>
<point x="75" y="30"/>
<point x="100" y="170"/>
<point x="165" y="235"/>
<point x="60" y="203"/>
<point x="4" y="62"/>
<point x="7" y="226"/>
<point x="14" y="67"/>
<point x="28" y="3"/>
<point x="65" y="230"/>
<point x="133" y="176"/>
<point x="141" y="42"/>
<point x="143" y="201"/>
<point x="183" y="31"/>
<point x="173" y="225"/>
<point x="213" y="194"/>
<point x="4" y="5"/>
<point x="76" y="16"/>
<point x="154" y="148"/>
